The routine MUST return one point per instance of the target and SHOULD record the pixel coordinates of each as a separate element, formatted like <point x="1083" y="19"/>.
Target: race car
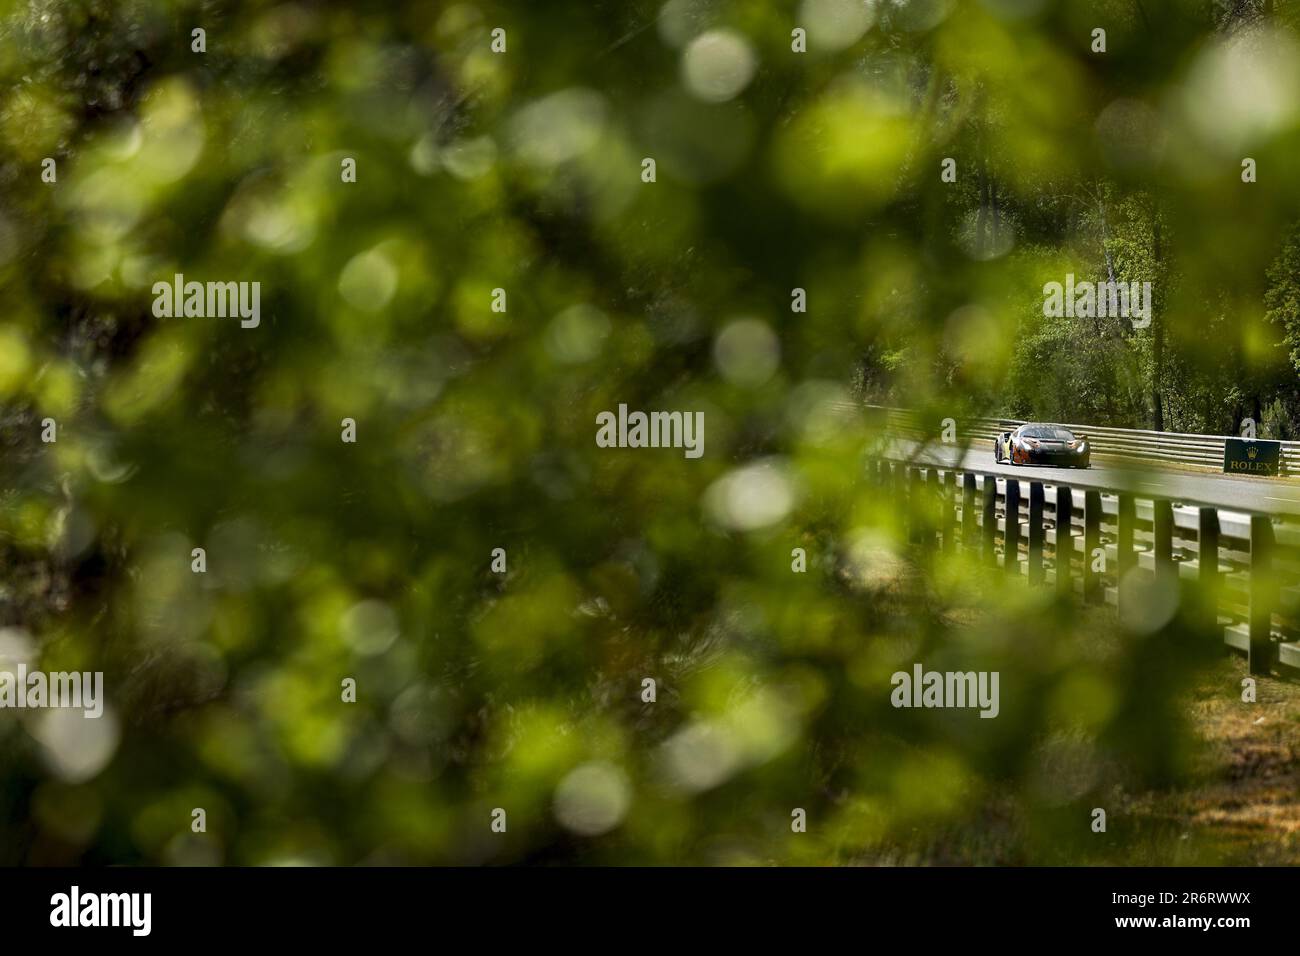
<point x="1037" y="444"/>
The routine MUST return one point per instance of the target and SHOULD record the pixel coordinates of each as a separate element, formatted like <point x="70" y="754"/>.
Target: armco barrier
<point x="1119" y="443"/>
<point x="1242" y="570"/>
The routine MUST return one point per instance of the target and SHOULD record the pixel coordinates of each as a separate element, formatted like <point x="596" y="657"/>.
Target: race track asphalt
<point x="1273" y="496"/>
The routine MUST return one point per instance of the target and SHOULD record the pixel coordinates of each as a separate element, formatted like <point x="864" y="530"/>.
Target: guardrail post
<point x="1064" y="539"/>
<point x="1207" y="562"/>
<point x="896" y="492"/>
<point x="968" y="511"/>
<point x="1036" y="536"/>
<point x="1092" y="579"/>
<point x="990" y="528"/>
<point x="1125" y="556"/>
<point x="933" y="505"/>
<point x="898" y="495"/>
<point x="948" y="516"/>
<point x="1163" y="527"/>
<point x="1011" y="537"/>
<point x="1261" y="594"/>
<point x="1126" y="519"/>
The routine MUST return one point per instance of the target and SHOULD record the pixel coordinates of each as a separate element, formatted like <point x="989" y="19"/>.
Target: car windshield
<point x="1047" y="433"/>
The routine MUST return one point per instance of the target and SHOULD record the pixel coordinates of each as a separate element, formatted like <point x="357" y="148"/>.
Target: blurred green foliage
<point x="522" y="171"/>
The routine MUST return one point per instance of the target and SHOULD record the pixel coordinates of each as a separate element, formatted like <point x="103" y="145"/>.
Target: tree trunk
<point x="1105" y="236"/>
<point x="1157" y="330"/>
<point x="993" y="203"/>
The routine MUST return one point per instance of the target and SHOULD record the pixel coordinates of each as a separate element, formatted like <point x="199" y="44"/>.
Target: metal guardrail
<point x="1121" y="443"/>
<point x="1241" y="570"/>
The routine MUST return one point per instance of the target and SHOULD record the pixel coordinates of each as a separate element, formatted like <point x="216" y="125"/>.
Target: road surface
<point x="1274" y="496"/>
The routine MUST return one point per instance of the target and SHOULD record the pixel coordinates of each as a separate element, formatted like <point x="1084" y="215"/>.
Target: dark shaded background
<point x="521" y="171"/>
